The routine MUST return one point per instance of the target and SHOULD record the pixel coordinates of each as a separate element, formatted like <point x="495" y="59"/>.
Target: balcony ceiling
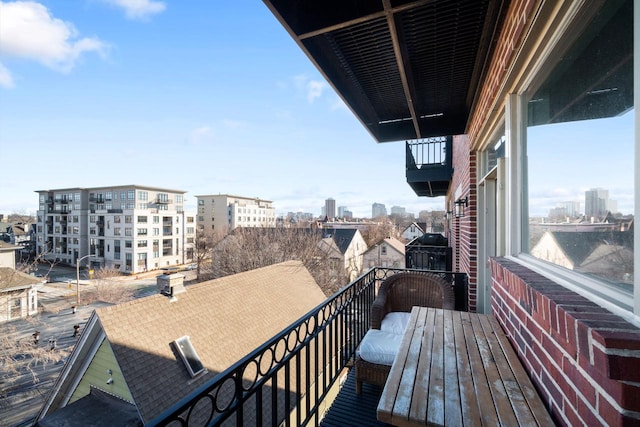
<point x="407" y="69"/>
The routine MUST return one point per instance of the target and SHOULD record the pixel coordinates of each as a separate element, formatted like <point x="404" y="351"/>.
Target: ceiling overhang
<point x="407" y="69"/>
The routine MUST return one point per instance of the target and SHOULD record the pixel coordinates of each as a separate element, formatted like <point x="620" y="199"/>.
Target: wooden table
<point x="456" y="368"/>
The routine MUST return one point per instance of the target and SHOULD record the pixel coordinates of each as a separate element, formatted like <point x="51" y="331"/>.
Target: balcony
<point x="320" y="347"/>
<point x="429" y="166"/>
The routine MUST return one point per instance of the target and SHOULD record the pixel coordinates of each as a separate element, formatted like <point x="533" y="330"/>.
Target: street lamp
<point x="78" y="276"/>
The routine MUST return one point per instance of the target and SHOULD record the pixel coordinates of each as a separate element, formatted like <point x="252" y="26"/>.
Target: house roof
<point x="97" y="409"/>
<point x="342" y="236"/>
<point x="408" y="69"/>
<point x="391" y="241"/>
<point x="429" y="239"/>
<point x="577" y="246"/>
<point x="11" y="279"/>
<point x="225" y="319"/>
<point x="6" y="247"/>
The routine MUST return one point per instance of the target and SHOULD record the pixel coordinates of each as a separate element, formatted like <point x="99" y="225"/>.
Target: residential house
<point x="8" y="254"/>
<point x="608" y="255"/>
<point x="351" y="245"/>
<point x="413" y="230"/>
<point x="150" y="353"/>
<point x="388" y="252"/>
<point x="18" y="294"/>
<point x="130" y="228"/>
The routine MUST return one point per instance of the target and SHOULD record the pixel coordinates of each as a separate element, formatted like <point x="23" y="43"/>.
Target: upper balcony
<point x="429" y="165"/>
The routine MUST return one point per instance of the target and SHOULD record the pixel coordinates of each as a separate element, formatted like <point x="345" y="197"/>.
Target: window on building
<point x="142" y="219"/>
<point x="128" y="232"/>
<point x="128" y="244"/>
<point x="143" y="195"/>
<point x="131" y="195"/>
<point x="128" y="219"/>
<point x="578" y="195"/>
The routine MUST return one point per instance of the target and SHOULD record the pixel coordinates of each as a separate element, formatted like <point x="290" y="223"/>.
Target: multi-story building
<point x="224" y="212"/>
<point x="130" y="228"/>
<point x="378" y="209"/>
<point x="330" y="208"/>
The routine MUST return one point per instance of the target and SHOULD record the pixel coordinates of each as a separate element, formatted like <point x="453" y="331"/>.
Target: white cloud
<point x="315" y="89"/>
<point x="138" y="9"/>
<point x="312" y="89"/>
<point x="6" y="80"/>
<point x="29" y="31"/>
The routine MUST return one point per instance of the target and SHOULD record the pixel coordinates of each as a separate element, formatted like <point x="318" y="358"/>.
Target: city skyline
<point x="108" y="92"/>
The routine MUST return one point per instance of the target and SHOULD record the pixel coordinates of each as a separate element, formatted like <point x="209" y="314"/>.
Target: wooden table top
<point x="456" y="368"/>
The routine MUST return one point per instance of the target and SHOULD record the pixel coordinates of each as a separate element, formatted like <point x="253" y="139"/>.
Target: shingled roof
<point x="225" y="319"/>
<point x="13" y="279"/>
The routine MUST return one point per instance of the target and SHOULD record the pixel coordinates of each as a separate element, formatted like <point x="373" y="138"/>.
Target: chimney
<point x="170" y="285"/>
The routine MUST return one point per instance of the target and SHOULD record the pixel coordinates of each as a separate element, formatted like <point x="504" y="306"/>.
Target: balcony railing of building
<point x="162" y="201"/>
<point x="429" y="165"/>
<point x="286" y="380"/>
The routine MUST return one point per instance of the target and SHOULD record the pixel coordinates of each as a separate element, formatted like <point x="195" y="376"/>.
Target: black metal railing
<point x="429" y="152"/>
<point x="429" y="165"/>
<point x="285" y="380"/>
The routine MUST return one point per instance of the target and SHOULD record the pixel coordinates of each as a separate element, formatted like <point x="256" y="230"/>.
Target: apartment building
<point x="130" y="228"/>
<point x="224" y="212"/>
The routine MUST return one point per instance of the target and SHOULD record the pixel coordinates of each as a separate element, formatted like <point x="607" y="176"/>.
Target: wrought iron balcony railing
<point x="287" y="379"/>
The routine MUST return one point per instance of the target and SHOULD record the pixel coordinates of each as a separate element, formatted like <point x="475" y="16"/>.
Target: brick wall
<point x="584" y="360"/>
<point x="462" y="232"/>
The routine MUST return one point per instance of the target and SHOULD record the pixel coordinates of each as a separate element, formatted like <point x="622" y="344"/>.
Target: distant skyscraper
<point x="398" y="210"/>
<point x="330" y="208"/>
<point x="341" y="211"/>
<point x="378" y="209"/>
<point x="596" y="203"/>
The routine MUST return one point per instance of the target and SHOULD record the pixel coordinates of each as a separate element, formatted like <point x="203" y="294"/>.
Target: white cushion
<point x="380" y="347"/>
<point x="395" y="322"/>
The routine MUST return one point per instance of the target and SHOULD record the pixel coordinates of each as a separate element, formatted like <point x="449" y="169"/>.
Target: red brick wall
<point x="462" y="232"/>
<point x="584" y="360"/>
<point x="518" y="18"/>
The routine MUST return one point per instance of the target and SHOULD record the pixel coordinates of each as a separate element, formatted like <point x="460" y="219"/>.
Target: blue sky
<point x="207" y="97"/>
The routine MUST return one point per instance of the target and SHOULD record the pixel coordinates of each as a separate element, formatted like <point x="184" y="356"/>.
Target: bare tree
<point x="109" y="287"/>
<point x="206" y="240"/>
<point x="250" y="248"/>
<point x="24" y="359"/>
<point x="374" y="233"/>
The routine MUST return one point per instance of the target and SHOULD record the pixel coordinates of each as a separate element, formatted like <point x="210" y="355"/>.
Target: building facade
<point x="378" y="209"/>
<point x="330" y="208"/>
<point x="224" y="212"/>
<point x="129" y="228"/>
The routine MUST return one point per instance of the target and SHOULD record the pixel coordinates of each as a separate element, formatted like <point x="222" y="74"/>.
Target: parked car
<point x="191" y="267"/>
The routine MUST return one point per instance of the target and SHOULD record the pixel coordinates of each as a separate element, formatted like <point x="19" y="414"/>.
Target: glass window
<point x="131" y="195"/>
<point x="580" y="145"/>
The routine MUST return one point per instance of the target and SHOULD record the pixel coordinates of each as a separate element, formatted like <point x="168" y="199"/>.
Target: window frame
<point x="515" y="221"/>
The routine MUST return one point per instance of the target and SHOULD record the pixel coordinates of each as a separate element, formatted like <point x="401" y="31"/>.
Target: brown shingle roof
<point x="10" y="278"/>
<point x="225" y="319"/>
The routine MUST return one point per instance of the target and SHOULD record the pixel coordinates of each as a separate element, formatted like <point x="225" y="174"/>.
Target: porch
<point x="302" y="376"/>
